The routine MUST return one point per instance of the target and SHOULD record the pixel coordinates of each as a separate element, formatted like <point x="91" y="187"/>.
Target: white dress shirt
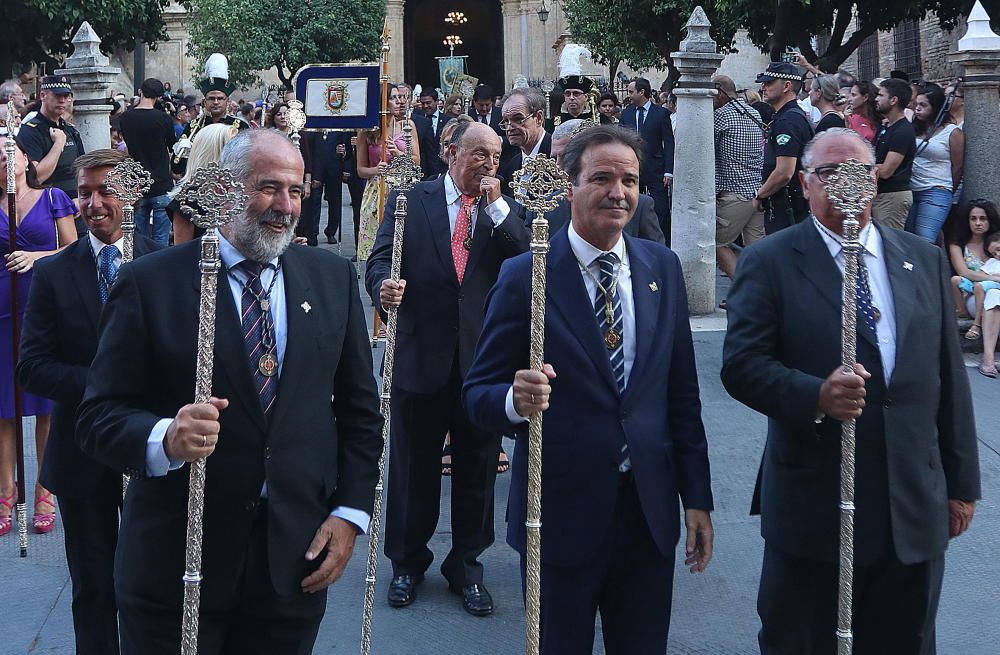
<point x="157" y="462"/>
<point x="588" y="254"/>
<point x="497" y="210"/>
<point x="878" y="279"/>
<point x="96" y="245"/>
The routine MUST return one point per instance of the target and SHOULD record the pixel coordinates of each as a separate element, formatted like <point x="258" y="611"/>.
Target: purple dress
<point x="37" y="231"/>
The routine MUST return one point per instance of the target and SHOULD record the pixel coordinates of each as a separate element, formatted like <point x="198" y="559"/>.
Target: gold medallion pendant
<point x="268" y="365"/>
<point x="467" y="243"/>
<point x="612" y="338"/>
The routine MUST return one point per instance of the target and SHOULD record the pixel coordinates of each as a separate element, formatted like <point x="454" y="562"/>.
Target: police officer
<point x="780" y="196"/>
<point x="216" y="88"/>
<point x="51" y="143"/>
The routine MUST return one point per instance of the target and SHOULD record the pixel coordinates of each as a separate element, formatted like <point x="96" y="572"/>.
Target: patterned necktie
<point x="608" y="262"/>
<point x="257" y="327"/>
<point x="866" y="308"/>
<point x="108" y="270"/>
<point x="459" y="253"/>
<point x="640" y="119"/>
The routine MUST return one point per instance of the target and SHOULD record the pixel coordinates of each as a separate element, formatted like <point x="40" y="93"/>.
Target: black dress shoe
<point x="331" y="240"/>
<point x="475" y="599"/>
<point x="403" y="590"/>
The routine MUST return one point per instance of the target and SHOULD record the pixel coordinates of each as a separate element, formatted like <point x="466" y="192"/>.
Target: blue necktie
<point x="255" y="327"/>
<point x="609" y="262"/>
<point x="866" y="308"/>
<point x="108" y="270"/>
<point x="640" y="119"/>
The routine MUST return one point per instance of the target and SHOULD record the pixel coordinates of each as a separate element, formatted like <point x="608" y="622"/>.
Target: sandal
<point x="44" y="521"/>
<point x="446" y="460"/>
<point x="990" y="372"/>
<point x="503" y="464"/>
<point x="7" y="522"/>
<point x="974" y="332"/>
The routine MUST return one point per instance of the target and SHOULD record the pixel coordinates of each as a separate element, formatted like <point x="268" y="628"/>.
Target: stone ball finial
<point x="979" y="36"/>
<point x="86" y="49"/>
<point x="699" y="38"/>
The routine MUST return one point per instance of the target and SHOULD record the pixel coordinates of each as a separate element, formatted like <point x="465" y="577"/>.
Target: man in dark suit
<point x="459" y="229"/>
<point x="623" y="436"/>
<point x="485" y="110"/>
<point x="328" y="152"/>
<point x="917" y="463"/>
<point x="58" y="342"/>
<point x="290" y="473"/>
<point x="652" y="122"/>
<point x="523" y="122"/>
<point x="424" y="130"/>
<point x="429" y="104"/>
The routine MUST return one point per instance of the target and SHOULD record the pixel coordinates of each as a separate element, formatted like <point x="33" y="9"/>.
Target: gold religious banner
<point x="540" y="185"/>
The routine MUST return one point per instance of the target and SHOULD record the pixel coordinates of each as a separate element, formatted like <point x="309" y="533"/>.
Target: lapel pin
<point x="908" y="266"/>
<point x="653" y="287"/>
<point x="306" y="307"/>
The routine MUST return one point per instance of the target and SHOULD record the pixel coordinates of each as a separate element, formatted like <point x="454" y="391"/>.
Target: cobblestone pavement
<point x="714" y="613"/>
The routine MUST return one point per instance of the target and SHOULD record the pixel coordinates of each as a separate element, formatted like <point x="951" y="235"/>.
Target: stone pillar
<point x="979" y="56"/>
<point x="394" y="13"/>
<point x="92" y="77"/>
<point x="692" y="234"/>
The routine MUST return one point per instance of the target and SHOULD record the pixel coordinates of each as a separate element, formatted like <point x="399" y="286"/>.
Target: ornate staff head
<point x="296" y="118"/>
<point x="213" y="197"/>
<point x="851" y="188"/>
<point x="402" y="172"/>
<point x="129" y="181"/>
<point x="539" y="186"/>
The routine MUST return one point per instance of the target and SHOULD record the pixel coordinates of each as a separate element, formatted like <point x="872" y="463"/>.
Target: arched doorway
<point x="424" y="32"/>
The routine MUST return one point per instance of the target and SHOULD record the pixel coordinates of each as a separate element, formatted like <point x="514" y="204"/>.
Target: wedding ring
<point x="204" y="440"/>
<point x="533" y="399"/>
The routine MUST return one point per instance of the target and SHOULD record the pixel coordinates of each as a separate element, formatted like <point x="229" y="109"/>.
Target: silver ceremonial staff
<point x="296" y="118"/>
<point x="129" y="181"/>
<point x="850" y="189"/>
<point x="212" y="197"/>
<point x="539" y="186"/>
<point x="402" y="174"/>
<point x="12" y="125"/>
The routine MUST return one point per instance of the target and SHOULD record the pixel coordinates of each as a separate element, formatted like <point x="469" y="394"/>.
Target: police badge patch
<point x="783" y="139"/>
<point x="336" y="97"/>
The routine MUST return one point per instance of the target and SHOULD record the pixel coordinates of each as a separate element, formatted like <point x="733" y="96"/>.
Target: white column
<point x="92" y="76"/>
<point x="394" y="10"/>
<point x="692" y="234"/>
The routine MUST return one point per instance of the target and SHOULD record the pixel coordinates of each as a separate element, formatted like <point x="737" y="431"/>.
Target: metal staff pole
<point x="850" y="189"/>
<point x="296" y="118"/>
<point x="402" y="174"/>
<point x="383" y="137"/>
<point x="467" y="90"/>
<point x="129" y="181"/>
<point x="21" y="508"/>
<point x="539" y="186"/>
<point x="212" y="197"/>
<point x="548" y="86"/>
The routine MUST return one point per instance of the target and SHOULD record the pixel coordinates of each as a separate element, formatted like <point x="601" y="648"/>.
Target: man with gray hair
<point x="11" y="90"/>
<point x="917" y="463"/>
<point x="523" y="120"/>
<point x="291" y="474"/>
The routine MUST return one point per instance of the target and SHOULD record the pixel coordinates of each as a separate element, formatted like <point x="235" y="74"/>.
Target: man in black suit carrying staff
<point x="917" y="471"/>
<point x="58" y="343"/>
<point x="292" y="436"/>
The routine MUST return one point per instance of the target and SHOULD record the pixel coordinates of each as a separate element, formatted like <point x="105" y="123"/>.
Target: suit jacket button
<point x="887" y="403"/>
<point x="251" y="505"/>
<point x="267" y="453"/>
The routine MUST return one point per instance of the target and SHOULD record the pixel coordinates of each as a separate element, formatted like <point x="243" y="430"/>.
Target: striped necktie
<point x="256" y="329"/>
<point x="609" y="262"/>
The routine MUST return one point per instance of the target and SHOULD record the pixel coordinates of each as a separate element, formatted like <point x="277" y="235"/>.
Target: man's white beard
<point x="256" y="242"/>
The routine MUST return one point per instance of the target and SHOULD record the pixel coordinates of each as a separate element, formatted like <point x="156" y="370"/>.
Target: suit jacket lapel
<point x="905" y="293"/>
<point x="85" y="279"/>
<point x="647" y="310"/>
<point x="230" y="353"/>
<point x="568" y="294"/>
<point x="301" y="334"/>
<point x="435" y="200"/>
<point x="480" y="238"/>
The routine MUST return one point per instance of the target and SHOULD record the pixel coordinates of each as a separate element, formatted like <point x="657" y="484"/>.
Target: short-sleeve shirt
<point x="739" y="140"/>
<point x="790" y="132"/>
<point x="898" y="137"/>
<point x="36" y="143"/>
<point x="149" y="135"/>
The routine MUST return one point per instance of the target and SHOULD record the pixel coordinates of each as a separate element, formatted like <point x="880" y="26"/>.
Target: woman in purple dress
<point x="45" y="223"/>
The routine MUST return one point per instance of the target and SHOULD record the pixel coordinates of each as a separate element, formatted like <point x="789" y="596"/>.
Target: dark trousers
<point x="356" y="187"/>
<point x="661" y="205"/>
<point x="784" y="209"/>
<point x="895" y="606"/>
<point x="419" y="425"/>
<point x="308" y="226"/>
<point x="91" y="525"/>
<point x="256" y="620"/>
<point x="628" y="581"/>
<point x="334" y="195"/>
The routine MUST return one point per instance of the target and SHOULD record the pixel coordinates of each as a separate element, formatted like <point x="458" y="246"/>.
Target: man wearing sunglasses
<point x="917" y="467"/>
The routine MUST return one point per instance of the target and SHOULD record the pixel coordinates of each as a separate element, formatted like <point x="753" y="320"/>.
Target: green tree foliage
<point x="791" y="23"/>
<point x="41" y="30"/>
<point x="258" y="34"/>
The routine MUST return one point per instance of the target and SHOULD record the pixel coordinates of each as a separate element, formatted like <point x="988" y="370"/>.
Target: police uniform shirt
<point x="790" y="132"/>
<point x="36" y="143"/>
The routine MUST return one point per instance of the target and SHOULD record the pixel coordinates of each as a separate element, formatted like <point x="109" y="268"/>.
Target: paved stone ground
<point x="713" y="613"/>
